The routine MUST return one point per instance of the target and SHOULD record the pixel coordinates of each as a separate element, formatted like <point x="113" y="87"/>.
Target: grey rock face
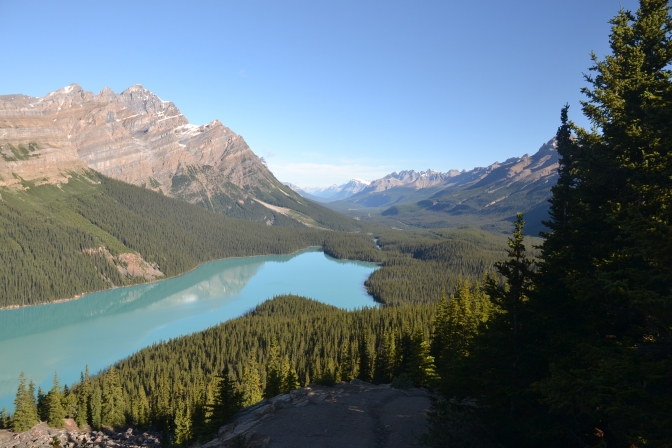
<point x="42" y="436"/>
<point x="353" y="415"/>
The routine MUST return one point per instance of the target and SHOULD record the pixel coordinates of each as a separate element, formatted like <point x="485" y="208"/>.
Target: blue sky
<point x="328" y="91"/>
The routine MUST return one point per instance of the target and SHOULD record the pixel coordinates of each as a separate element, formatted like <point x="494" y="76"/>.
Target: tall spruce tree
<point x="25" y="408"/>
<point x="250" y="384"/>
<point x="490" y="357"/>
<point x="226" y="402"/>
<point x="183" y="433"/>
<point x="383" y="367"/>
<point x="290" y="379"/>
<point x="274" y="371"/>
<point x="96" y="407"/>
<point x="112" y="411"/>
<point x="365" y="359"/>
<point x="605" y="284"/>
<point x="55" y="411"/>
<point x="83" y="399"/>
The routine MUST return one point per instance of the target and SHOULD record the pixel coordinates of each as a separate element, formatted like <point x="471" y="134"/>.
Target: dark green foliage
<point x="113" y="402"/>
<point x="385" y="362"/>
<point x="55" y="412"/>
<point x="274" y="373"/>
<point x="227" y="401"/>
<point x="606" y="278"/>
<point x="456" y="427"/>
<point x="25" y="408"/>
<point x="96" y="406"/>
<point x="62" y="242"/>
<point x="587" y="359"/>
<point x="181" y="376"/>
<point x="418" y="267"/>
<point x="365" y="360"/>
<point x="412" y="361"/>
<point x="494" y="359"/>
<point x="50" y="237"/>
<point x="5" y="419"/>
<point x="83" y="394"/>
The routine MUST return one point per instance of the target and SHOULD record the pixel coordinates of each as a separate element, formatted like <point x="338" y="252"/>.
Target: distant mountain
<point x="138" y="138"/>
<point x="483" y="196"/>
<point x="332" y="193"/>
<point x="304" y="194"/>
<point x="411" y="179"/>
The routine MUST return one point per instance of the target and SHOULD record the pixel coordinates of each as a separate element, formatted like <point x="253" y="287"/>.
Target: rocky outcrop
<point x="130" y="265"/>
<point x="354" y="414"/>
<point x="133" y="136"/>
<point x="42" y="436"/>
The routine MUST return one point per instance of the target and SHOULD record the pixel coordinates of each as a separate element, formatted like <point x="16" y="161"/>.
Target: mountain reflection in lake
<point x="104" y="327"/>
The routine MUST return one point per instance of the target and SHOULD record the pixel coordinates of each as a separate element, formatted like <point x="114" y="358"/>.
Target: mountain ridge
<point x="482" y="196"/>
<point x="140" y="139"/>
<point x="334" y="192"/>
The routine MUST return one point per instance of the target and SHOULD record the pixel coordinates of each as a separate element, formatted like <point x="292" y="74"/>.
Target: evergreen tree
<point x="55" y="411"/>
<point x="251" y="383"/>
<point x="183" y="430"/>
<point x="31" y="403"/>
<point x="404" y="355"/>
<point x="69" y="402"/>
<point x="163" y="401"/>
<point x="96" y="407"/>
<point x="383" y="368"/>
<point x="112" y="411"/>
<point x="226" y="402"/>
<point x="422" y="368"/>
<point x="83" y="399"/>
<point x="42" y="405"/>
<point x="274" y="371"/>
<point x="347" y="364"/>
<point x="290" y="380"/>
<point x="365" y="360"/>
<point x="4" y="419"/>
<point x="440" y="328"/>
<point x="510" y="298"/>
<point x="141" y="403"/>
<point x="25" y="408"/>
<point x="605" y="282"/>
<point x="458" y="321"/>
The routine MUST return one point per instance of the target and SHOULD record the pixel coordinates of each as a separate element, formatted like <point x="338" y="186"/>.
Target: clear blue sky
<point x="328" y="90"/>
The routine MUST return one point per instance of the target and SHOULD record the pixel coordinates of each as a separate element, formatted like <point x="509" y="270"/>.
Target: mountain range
<point x="332" y="193"/>
<point x="138" y="138"/>
<point x="488" y="197"/>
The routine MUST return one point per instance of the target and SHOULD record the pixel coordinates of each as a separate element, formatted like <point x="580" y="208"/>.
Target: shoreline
<point x="79" y="296"/>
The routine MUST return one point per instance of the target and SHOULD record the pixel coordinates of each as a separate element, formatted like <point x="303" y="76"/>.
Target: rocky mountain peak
<point x="105" y="94"/>
<point x="133" y="136"/>
<point x="73" y="89"/>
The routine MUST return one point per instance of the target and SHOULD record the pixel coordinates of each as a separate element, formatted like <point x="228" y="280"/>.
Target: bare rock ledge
<point x="355" y="415"/>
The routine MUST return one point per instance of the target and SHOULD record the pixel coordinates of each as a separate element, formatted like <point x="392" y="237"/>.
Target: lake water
<point x="102" y="328"/>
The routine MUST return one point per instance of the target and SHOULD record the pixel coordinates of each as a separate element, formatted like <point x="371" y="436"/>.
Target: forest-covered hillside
<point x="60" y="241"/>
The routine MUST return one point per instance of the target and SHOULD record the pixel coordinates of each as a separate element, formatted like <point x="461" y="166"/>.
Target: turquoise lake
<point x="102" y="328"/>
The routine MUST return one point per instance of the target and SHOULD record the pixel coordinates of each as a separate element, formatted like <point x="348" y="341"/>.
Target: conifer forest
<point x="562" y="340"/>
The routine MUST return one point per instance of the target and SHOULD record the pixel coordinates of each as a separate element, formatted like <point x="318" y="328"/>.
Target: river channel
<point x="102" y="328"/>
